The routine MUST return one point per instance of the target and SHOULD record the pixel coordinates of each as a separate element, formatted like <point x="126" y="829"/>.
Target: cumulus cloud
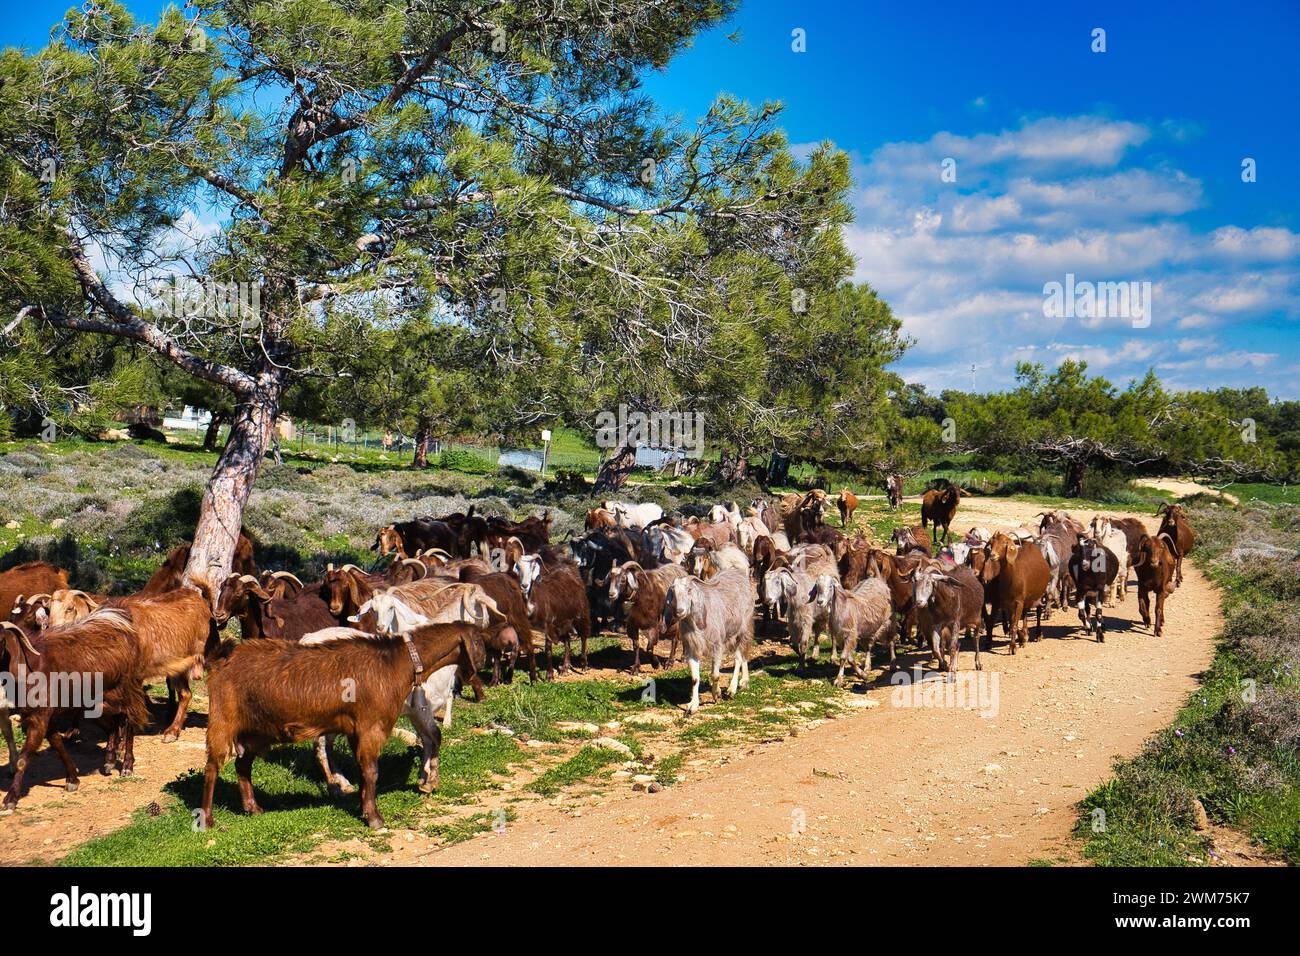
<point x="964" y="262"/>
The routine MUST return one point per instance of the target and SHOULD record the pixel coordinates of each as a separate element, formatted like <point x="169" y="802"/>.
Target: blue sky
<point x="1118" y="166"/>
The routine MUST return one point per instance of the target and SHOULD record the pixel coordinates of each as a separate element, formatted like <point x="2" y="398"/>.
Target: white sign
<point x="546" y="434"/>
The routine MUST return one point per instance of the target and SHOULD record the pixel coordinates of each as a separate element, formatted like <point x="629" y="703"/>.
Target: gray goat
<point x="713" y="617"/>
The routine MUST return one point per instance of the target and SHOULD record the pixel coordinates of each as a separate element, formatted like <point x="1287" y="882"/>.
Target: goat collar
<point x="415" y="657"/>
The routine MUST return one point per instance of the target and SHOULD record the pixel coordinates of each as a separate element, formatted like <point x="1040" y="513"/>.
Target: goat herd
<point x="464" y="594"/>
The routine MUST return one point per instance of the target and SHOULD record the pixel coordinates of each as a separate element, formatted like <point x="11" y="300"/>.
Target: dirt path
<point x="885" y="783"/>
<point x="50" y="821"/>
<point x="1185" y="489"/>
<point x="905" y="785"/>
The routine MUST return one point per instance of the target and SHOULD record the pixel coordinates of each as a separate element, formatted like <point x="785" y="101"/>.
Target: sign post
<point x="546" y="448"/>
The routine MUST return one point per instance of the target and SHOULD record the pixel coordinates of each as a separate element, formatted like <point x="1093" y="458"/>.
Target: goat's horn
<point x="22" y="636"/>
<point x="248" y="577"/>
<point x="352" y="567"/>
<point x="35" y="597"/>
<point x="329" y="567"/>
<point x="286" y="574"/>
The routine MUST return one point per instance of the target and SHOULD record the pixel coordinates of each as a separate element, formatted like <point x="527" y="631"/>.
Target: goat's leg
<point x="715" y="676"/>
<point x="430" y="778"/>
<point x="694" y="664"/>
<point x="69" y="768"/>
<point x="1160" y="611"/>
<point x="367" y="752"/>
<point x="111" y="746"/>
<point x="181" y="684"/>
<point x="550" y="661"/>
<point x="567" y="665"/>
<point x="476" y="684"/>
<point x="335" y="782"/>
<point x="584" y="633"/>
<point x="7" y="728"/>
<point x="635" y="636"/>
<point x="735" y="673"/>
<point x="1144" y="605"/>
<point x="128" y="749"/>
<point x="34" y="731"/>
<point x="244" y="771"/>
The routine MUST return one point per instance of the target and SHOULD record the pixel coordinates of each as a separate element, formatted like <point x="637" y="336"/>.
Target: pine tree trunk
<point x="615" y="469"/>
<point x="732" y="468"/>
<point x="214" y="428"/>
<point x="1074" y="471"/>
<point x="423" y="435"/>
<point x="222" y="512"/>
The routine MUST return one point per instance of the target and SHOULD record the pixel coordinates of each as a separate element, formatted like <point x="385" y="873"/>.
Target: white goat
<point x="627" y="513"/>
<point x="713" y="618"/>
<point x="864" y="614"/>
<point x="1113" y="540"/>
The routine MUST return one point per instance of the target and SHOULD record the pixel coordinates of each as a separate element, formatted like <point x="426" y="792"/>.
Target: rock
<point x="535" y="744"/>
<point x="651" y="717"/>
<point x="653" y="787"/>
<point x="11" y="525"/>
<point x="576" y="727"/>
<point x="609" y="743"/>
<point x="861" y="702"/>
<point x="58" y="522"/>
<point x="1202" y="821"/>
<point x="643" y="778"/>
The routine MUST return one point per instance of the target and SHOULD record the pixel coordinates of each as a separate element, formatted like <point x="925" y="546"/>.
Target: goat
<point x="1115" y="541"/>
<point x="940" y="507"/>
<point x="280" y="584"/>
<point x="169" y="576"/>
<point x="1175" y="524"/>
<point x="1093" y="568"/>
<point x="406" y="538"/>
<point x="763" y="509"/>
<point x="847" y="503"/>
<point x="557" y="606"/>
<point x="597" y="553"/>
<point x="641" y="594"/>
<point x="894" y="491"/>
<point x="267" y="692"/>
<point x="459" y="603"/>
<point x="49" y="678"/>
<point x="948" y="603"/>
<point x="665" y="544"/>
<point x="504" y="590"/>
<point x="793" y="589"/>
<point x="626" y="513"/>
<point x="865" y="613"/>
<point x="713" y="617"/>
<point x="1156" y="565"/>
<point x="1015" y="578"/>
<point x="34" y="577"/>
<point x="727" y="514"/>
<point x="914" y="539"/>
<point x="704" y="563"/>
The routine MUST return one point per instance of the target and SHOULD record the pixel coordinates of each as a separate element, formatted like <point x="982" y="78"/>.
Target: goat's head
<point x="527" y="568"/>
<point x="389" y="541"/>
<point x="925" y="580"/>
<point x="344" y="589"/>
<point x="237" y="597"/>
<point x="823" y="591"/>
<point x="623" y="581"/>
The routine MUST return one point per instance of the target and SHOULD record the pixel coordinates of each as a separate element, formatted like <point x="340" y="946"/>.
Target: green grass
<point x="1276" y="494"/>
<point x="1233" y="746"/>
<point x="299" y="815"/>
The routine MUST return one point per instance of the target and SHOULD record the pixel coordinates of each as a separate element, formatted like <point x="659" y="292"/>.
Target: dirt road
<point x="885" y="784"/>
<point x="902" y="785"/>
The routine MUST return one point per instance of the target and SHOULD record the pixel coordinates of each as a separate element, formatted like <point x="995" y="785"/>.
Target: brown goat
<point x="270" y="692"/>
<point x="940" y="507"/>
<point x="34" y="577"/>
<point x="1155" y="562"/>
<point x="1015" y="576"/>
<point x="1175" y="524"/>
<point x="641" y="595"/>
<point x="557" y="606"/>
<point x="505" y="591"/>
<point x="912" y="540"/>
<point x="104" y="645"/>
<point x="847" y="503"/>
<point x="168" y="576"/>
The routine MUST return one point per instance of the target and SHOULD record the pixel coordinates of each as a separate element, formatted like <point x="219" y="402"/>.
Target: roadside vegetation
<point x="1234" y="749"/>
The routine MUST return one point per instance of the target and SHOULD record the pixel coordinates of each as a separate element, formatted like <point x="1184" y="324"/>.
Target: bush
<point x="462" y="459"/>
